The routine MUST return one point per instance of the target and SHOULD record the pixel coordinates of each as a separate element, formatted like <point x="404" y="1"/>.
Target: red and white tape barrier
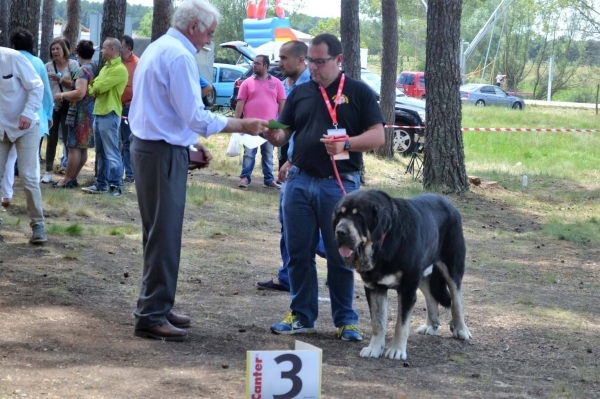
<point x="505" y="129"/>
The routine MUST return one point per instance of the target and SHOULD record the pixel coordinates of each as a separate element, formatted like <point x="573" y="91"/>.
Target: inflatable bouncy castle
<point x="260" y="30"/>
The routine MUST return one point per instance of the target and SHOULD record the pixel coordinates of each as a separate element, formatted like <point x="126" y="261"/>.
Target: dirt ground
<point x="66" y="322"/>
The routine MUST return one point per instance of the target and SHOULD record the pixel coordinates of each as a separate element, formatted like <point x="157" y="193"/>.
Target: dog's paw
<point x="396" y="353"/>
<point x="369" y="351"/>
<point x="461" y="332"/>
<point x="428" y="330"/>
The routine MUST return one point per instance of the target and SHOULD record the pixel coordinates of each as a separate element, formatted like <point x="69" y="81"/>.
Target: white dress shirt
<point x="21" y="92"/>
<point x="167" y="104"/>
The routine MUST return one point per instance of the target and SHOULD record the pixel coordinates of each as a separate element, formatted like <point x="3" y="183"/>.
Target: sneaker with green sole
<point x="291" y="325"/>
<point x="349" y="332"/>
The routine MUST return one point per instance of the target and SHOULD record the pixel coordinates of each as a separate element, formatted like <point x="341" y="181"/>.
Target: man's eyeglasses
<point x="257" y="64"/>
<point x="211" y="34"/>
<point x="319" y="62"/>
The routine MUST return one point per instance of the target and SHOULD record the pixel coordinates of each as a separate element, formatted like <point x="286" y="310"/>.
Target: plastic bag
<point x="233" y="150"/>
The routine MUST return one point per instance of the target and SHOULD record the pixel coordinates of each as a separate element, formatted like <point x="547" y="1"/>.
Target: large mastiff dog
<point x="404" y="245"/>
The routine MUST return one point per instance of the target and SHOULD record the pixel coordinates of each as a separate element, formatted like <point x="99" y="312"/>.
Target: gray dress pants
<point x="160" y="182"/>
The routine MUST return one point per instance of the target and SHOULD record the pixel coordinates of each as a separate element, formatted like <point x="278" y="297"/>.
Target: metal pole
<point x="463" y="61"/>
<point x="550" y="77"/>
<point x="488" y="50"/>
<point x="597" y="91"/>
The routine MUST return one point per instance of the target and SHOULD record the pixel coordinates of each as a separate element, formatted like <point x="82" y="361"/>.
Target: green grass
<point x="73" y="230"/>
<point x="581" y="231"/>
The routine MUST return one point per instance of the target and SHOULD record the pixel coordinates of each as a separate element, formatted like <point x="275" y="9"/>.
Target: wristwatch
<point x="347" y="145"/>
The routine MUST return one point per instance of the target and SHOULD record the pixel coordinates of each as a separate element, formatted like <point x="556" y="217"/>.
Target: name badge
<point x="284" y="374"/>
<point x="339" y="132"/>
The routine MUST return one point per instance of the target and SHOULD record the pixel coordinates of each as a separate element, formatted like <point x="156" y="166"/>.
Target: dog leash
<point x="337" y="139"/>
<point x="333" y="114"/>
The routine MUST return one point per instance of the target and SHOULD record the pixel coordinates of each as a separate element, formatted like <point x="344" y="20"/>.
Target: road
<point x="559" y="104"/>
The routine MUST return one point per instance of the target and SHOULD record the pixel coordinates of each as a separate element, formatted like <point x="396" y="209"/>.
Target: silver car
<point x="483" y="95"/>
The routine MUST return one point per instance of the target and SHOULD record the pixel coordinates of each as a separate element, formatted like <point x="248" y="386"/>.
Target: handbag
<point x="64" y="106"/>
<point x="71" y="115"/>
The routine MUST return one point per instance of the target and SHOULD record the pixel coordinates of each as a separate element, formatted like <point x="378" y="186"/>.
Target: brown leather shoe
<point x="163" y="331"/>
<point x="179" y="320"/>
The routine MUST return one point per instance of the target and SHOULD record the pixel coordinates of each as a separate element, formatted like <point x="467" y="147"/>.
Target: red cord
<point x="338" y="139"/>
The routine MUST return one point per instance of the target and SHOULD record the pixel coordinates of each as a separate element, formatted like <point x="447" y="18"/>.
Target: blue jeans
<point x="282" y="274"/>
<point x="266" y="151"/>
<point x="106" y="138"/>
<point x="309" y="202"/>
<point x="65" y="156"/>
<point x="125" y="137"/>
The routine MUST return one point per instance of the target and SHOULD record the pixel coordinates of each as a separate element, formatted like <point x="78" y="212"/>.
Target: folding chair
<point x="415" y="165"/>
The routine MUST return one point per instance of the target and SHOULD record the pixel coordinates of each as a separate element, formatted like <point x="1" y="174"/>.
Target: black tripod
<point x="415" y="165"/>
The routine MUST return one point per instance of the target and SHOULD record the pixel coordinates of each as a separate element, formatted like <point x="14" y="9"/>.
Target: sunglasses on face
<point x="319" y="62"/>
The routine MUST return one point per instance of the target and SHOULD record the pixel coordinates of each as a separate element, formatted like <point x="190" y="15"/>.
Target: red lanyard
<point x="333" y="111"/>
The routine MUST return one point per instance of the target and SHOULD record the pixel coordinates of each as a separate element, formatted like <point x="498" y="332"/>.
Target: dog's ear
<point x="382" y="217"/>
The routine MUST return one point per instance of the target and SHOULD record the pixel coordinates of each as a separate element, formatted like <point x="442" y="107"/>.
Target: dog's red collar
<point x="383" y="237"/>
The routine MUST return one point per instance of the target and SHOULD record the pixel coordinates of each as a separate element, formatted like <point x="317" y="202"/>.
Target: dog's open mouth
<point x="345" y="251"/>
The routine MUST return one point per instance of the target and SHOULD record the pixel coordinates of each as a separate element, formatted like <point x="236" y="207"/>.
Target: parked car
<point x="483" y="95"/>
<point x="224" y="78"/>
<point x="409" y="112"/>
<point x="412" y="83"/>
<point x="247" y="52"/>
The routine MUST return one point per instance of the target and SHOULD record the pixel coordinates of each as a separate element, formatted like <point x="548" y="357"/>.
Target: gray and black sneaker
<point x="93" y="190"/>
<point x="115" y="191"/>
<point x="39" y="235"/>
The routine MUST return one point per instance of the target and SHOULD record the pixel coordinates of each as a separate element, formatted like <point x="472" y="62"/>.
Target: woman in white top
<point x="60" y="72"/>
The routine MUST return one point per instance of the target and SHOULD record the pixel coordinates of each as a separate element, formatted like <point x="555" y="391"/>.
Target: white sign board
<point x="291" y="374"/>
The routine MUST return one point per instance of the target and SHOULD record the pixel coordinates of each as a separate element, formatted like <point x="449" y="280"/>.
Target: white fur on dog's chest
<point x="391" y="280"/>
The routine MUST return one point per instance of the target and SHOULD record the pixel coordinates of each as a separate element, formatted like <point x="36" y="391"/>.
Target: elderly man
<point x="166" y="117"/>
<point x="20" y="99"/>
<point x="108" y="88"/>
<point x="331" y="103"/>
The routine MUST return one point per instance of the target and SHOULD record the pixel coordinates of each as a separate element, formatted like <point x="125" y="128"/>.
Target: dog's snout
<point x="341" y="231"/>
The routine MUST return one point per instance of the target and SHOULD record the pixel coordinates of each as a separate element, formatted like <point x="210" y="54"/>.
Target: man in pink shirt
<point x="261" y="96"/>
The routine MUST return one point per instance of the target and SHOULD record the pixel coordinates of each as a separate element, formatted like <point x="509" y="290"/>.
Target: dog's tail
<point x="439" y="289"/>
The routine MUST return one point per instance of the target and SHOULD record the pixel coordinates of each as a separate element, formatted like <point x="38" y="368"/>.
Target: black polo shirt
<point x="307" y="115"/>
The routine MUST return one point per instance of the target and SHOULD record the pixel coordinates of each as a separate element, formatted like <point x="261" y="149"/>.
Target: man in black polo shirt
<point x="315" y="111"/>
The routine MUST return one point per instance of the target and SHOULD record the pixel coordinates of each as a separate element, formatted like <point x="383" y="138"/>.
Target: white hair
<point x="200" y="10"/>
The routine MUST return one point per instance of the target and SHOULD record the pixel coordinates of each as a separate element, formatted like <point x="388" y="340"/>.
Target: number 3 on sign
<point x="284" y="374"/>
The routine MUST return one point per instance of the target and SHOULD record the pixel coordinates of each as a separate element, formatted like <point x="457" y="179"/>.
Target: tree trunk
<point x="34" y="23"/>
<point x="444" y="166"/>
<point x="20" y="15"/>
<point x="350" y="33"/>
<point x="113" y="21"/>
<point x="71" y="31"/>
<point x="4" y="25"/>
<point x="47" y="29"/>
<point x="389" y="58"/>
<point x="161" y="18"/>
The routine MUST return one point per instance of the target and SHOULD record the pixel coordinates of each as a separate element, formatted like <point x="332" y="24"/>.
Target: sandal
<point x="69" y="184"/>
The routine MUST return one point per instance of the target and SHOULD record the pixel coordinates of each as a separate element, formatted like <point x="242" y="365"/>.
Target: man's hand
<point x="207" y="156"/>
<point x="283" y="171"/>
<point x="253" y="126"/>
<point x="24" y="123"/>
<point x="272" y="136"/>
<point x="333" y="147"/>
<point x="201" y="147"/>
